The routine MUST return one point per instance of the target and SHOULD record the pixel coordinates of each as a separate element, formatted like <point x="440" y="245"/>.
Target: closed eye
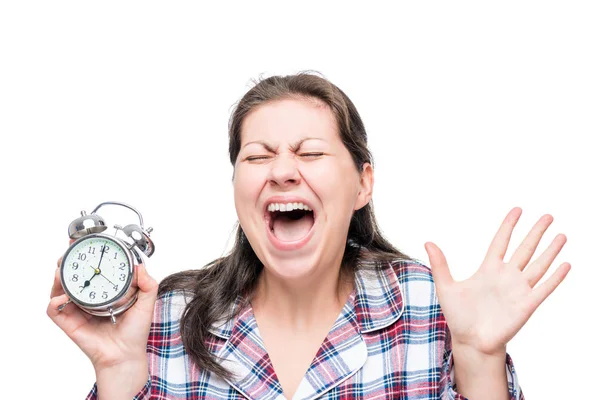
<point x="303" y="155"/>
<point x="256" y="158"/>
<point x="311" y="155"/>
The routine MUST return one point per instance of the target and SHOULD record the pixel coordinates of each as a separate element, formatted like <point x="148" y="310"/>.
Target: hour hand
<point x="86" y="284"/>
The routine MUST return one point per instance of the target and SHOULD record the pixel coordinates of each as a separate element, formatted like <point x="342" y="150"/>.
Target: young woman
<point x="312" y="302"/>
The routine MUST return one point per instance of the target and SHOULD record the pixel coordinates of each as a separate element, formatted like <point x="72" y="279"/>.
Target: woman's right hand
<point x="113" y="349"/>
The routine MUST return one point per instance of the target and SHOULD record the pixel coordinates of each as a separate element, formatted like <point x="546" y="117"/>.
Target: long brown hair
<point x="215" y="287"/>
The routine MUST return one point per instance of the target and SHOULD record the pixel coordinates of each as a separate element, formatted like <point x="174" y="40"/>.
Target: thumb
<point x="439" y="266"/>
<point x="147" y="285"/>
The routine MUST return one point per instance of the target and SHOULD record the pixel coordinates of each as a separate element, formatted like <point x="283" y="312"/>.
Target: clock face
<point x="96" y="271"/>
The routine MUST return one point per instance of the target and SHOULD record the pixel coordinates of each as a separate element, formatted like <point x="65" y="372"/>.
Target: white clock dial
<point x="95" y="271"/>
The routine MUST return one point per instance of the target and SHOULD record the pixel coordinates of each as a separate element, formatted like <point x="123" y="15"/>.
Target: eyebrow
<point x="294" y="146"/>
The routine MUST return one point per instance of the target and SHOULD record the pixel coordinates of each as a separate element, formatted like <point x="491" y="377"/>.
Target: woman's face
<point x="296" y="187"/>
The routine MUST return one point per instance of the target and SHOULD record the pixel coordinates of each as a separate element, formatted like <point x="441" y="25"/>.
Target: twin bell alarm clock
<point x="97" y="271"/>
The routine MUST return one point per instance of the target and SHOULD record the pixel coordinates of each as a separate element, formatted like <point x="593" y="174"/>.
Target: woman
<point x="342" y="313"/>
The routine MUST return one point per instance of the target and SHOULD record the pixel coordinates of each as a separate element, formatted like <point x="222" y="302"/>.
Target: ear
<point x="366" y="187"/>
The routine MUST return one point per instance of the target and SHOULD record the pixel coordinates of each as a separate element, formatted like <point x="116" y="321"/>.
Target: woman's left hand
<point x="485" y="311"/>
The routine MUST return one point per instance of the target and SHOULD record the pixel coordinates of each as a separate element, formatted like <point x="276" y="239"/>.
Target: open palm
<point x="485" y="311"/>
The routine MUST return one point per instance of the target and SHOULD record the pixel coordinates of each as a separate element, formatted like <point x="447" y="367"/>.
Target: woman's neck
<point x="302" y="303"/>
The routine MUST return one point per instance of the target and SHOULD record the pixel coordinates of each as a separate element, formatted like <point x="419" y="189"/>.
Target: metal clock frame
<point x="141" y="244"/>
<point x="124" y="299"/>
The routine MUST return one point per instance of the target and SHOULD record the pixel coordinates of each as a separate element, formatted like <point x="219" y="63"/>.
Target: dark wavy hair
<point x="215" y="287"/>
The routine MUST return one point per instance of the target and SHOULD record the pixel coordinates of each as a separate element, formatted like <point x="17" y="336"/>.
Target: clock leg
<point x="62" y="306"/>
<point x="112" y="317"/>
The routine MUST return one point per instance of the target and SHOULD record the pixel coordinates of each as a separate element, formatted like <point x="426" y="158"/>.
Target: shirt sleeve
<point x="513" y="384"/>
<point x="143" y="394"/>
<point x="448" y="375"/>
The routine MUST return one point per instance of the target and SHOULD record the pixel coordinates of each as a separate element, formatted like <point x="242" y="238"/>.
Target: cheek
<point x="247" y="185"/>
<point x="323" y="174"/>
<point x="336" y="185"/>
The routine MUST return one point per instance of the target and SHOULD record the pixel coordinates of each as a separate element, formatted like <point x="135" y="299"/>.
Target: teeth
<point x="282" y="207"/>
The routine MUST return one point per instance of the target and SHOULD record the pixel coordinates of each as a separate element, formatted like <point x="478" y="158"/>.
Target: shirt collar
<point x="375" y="303"/>
<point x="342" y="353"/>
<point x="378" y="300"/>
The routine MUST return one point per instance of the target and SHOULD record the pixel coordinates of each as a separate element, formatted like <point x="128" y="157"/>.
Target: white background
<point x="471" y="108"/>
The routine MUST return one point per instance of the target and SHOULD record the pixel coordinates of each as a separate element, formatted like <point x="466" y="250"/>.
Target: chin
<point x="292" y="265"/>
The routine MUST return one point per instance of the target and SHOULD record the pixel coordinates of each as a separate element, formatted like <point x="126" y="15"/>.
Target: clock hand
<point x="86" y="284"/>
<point x="98" y="269"/>
<point x="96" y="272"/>
<point x="102" y="255"/>
<point x="108" y="280"/>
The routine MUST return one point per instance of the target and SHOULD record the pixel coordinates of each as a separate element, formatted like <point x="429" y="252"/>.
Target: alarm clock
<point x="98" y="271"/>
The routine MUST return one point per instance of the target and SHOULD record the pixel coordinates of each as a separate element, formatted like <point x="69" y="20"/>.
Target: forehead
<point x="288" y="120"/>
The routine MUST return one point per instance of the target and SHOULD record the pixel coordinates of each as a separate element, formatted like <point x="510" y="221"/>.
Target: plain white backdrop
<point x="472" y="108"/>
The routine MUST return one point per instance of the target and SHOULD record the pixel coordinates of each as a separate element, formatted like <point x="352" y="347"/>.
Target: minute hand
<point x="102" y="255"/>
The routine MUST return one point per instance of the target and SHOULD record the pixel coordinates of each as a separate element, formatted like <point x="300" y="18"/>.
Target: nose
<point x="284" y="171"/>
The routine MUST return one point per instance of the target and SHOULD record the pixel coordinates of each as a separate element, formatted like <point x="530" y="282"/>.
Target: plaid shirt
<point x="390" y="341"/>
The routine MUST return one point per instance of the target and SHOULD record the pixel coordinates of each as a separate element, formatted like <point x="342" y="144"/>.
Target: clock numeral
<point x="115" y="256"/>
<point x="75" y="265"/>
<point x="92" y="295"/>
<point x="122" y="267"/>
<point x="122" y="277"/>
<point x="116" y="287"/>
<point x="81" y="256"/>
<point x="105" y="295"/>
<point x="105" y="248"/>
<point x="75" y="278"/>
<point x="92" y="250"/>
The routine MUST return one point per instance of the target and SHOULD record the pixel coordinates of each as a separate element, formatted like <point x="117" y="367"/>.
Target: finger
<point x="439" y="266"/>
<point x="69" y="318"/>
<point x="57" y="288"/>
<point x="55" y="302"/>
<point x="545" y="289"/>
<point x="527" y="248"/>
<point x="497" y="249"/>
<point x="538" y="268"/>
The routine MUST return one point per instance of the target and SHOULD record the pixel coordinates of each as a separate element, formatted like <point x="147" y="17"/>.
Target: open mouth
<point x="290" y="222"/>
